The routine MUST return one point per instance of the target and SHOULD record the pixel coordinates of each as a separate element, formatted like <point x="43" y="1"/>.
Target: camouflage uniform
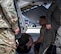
<point x="7" y="37"/>
<point x="58" y="41"/>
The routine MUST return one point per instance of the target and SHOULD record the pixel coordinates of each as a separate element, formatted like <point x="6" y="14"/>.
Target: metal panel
<point x="34" y="14"/>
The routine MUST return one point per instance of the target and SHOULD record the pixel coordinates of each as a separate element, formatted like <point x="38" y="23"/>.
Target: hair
<point x="42" y="17"/>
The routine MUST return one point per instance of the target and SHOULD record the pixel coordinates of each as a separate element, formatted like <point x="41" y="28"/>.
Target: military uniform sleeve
<point x="50" y="12"/>
<point x="10" y="13"/>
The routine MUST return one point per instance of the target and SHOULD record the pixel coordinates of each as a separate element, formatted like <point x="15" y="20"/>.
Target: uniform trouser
<point x="58" y="41"/>
<point x="50" y="36"/>
<point x="7" y="42"/>
<point x="58" y="50"/>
